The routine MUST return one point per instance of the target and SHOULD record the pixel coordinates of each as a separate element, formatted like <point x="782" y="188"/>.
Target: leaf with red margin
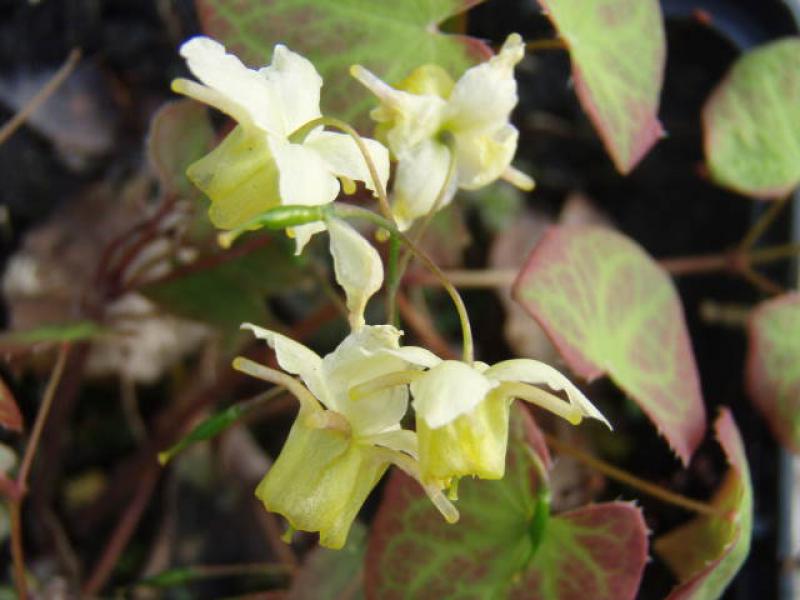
<point x="773" y="365"/>
<point x="707" y="552"/>
<point x="618" y="51"/>
<point x="389" y="38"/>
<point x="505" y="544"/>
<point x="10" y="417"/>
<point x="609" y="308"/>
<point x="751" y="122"/>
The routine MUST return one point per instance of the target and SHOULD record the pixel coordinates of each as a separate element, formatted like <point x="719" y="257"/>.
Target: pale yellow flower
<point x="341" y="443"/>
<point x="257" y="166"/>
<point x="417" y="119"/>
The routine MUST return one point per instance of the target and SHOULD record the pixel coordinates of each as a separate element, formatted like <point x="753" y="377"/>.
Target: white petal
<point x="296" y="85"/>
<point x="246" y="94"/>
<point x="538" y="373"/>
<point x="304" y="178"/>
<point x="413" y="117"/>
<point x="421" y="173"/>
<point x="297" y="359"/>
<point x="357" y="267"/>
<point x="447" y="391"/>
<point x="484" y="156"/>
<point x="486" y="94"/>
<point x="361" y="357"/>
<point x="341" y="153"/>
<point x="420" y="357"/>
<point x="401" y="440"/>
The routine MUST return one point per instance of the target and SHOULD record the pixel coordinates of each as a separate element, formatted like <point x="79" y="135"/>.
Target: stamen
<point x="383" y="382"/>
<point x="539" y="397"/>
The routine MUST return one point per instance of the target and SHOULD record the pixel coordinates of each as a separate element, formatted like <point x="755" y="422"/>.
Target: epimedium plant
<point x="438" y="107"/>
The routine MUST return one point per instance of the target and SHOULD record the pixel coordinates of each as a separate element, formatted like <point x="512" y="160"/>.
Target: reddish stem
<point x="122" y="532"/>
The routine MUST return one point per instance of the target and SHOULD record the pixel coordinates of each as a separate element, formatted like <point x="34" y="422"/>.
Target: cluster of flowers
<point x="443" y="135"/>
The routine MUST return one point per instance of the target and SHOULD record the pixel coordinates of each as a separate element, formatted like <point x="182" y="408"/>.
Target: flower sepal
<point x="474" y="444"/>
<point x="321" y="479"/>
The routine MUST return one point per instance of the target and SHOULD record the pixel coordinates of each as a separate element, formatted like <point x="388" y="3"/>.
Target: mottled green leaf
<point x="773" y="365"/>
<point x="389" y="38"/>
<point x="707" y="552"/>
<point x="505" y="545"/>
<point x="74" y="331"/>
<point x="618" y="51"/>
<point x="180" y="133"/>
<point x="231" y="288"/>
<point x="609" y="308"/>
<point x="333" y="574"/>
<point x="752" y="122"/>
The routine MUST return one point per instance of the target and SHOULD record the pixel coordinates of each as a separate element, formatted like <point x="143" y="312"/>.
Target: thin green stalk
<point x="393" y="278"/>
<point x="355" y="212"/>
<point x="766" y="255"/>
<point x="302" y="132"/>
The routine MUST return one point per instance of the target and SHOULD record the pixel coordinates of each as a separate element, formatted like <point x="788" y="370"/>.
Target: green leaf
<point x="10" y="417"/>
<point x="752" y="122"/>
<point x="773" y="366"/>
<point x="389" y="38"/>
<point x="333" y="574"/>
<point x="609" y="308"/>
<point x="707" y="552"/>
<point x="75" y="331"/>
<point x="180" y="133"/>
<point x="230" y="288"/>
<point x="505" y="545"/>
<point x="618" y="51"/>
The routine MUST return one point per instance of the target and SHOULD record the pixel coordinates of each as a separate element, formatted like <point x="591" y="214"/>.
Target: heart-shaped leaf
<point x="10" y="417"/>
<point x="707" y="552"/>
<point x="506" y="545"/>
<point x="180" y="134"/>
<point x="773" y="365"/>
<point x="752" y="122"/>
<point x="618" y="52"/>
<point x="389" y="38"/>
<point x="609" y="308"/>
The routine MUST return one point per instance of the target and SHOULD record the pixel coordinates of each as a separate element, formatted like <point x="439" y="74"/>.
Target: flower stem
<point x="393" y="277"/>
<point x="15" y="512"/>
<point x="626" y="478"/>
<point x="546" y="44"/>
<point x="41" y="96"/>
<point x="764" y="221"/>
<point x="356" y="212"/>
<point x="304" y="130"/>
<point x="394" y="285"/>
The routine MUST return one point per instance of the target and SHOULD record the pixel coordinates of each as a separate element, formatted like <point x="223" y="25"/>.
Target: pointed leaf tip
<point x="618" y="52"/>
